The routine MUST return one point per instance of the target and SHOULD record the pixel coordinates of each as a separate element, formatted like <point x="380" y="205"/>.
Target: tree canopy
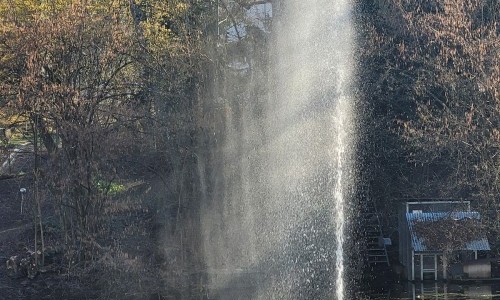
<point x="433" y="77"/>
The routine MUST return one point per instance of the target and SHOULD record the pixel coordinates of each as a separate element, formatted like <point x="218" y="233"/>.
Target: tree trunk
<point x="44" y="134"/>
<point x="38" y="213"/>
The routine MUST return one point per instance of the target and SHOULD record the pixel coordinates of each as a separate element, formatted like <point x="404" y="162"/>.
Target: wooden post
<point x="435" y="267"/>
<point x="22" y="191"/>
<point x="421" y="267"/>
<point x="445" y="266"/>
<point x="412" y="265"/>
<point x="35" y="173"/>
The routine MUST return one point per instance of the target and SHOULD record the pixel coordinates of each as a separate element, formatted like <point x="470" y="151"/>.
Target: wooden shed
<point x="442" y="240"/>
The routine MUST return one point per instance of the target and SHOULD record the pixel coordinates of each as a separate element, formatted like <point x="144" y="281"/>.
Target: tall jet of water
<point x="280" y="175"/>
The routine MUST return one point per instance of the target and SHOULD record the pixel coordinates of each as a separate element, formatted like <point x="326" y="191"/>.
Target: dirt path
<point x="17" y="159"/>
<point x="18" y="228"/>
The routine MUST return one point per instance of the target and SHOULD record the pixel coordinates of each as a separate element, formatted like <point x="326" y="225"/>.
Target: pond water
<point x="433" y="290"/>
<point x="249" y="285"/>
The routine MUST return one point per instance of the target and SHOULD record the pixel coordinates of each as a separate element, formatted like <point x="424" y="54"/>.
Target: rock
<point x="23" y="265"/>
<point x="13" y="267"/>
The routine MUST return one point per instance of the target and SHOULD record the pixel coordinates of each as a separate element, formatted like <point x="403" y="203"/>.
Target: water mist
<point x="279" y="175"/>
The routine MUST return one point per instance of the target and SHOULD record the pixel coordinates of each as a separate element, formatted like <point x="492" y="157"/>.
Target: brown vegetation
<point x="111" y="95"/>
<point x="447" y="234"/>
<point x="433" y="79"/>
<point x="107" y="92"/>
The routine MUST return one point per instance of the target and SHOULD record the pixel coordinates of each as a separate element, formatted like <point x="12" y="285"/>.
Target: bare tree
<point x="76" y="78"/>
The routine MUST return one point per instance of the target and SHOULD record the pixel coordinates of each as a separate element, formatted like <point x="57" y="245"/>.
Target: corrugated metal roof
<point x="418" y="243"/>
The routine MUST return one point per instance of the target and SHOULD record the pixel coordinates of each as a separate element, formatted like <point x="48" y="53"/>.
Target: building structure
<point x="442" y="240"/>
